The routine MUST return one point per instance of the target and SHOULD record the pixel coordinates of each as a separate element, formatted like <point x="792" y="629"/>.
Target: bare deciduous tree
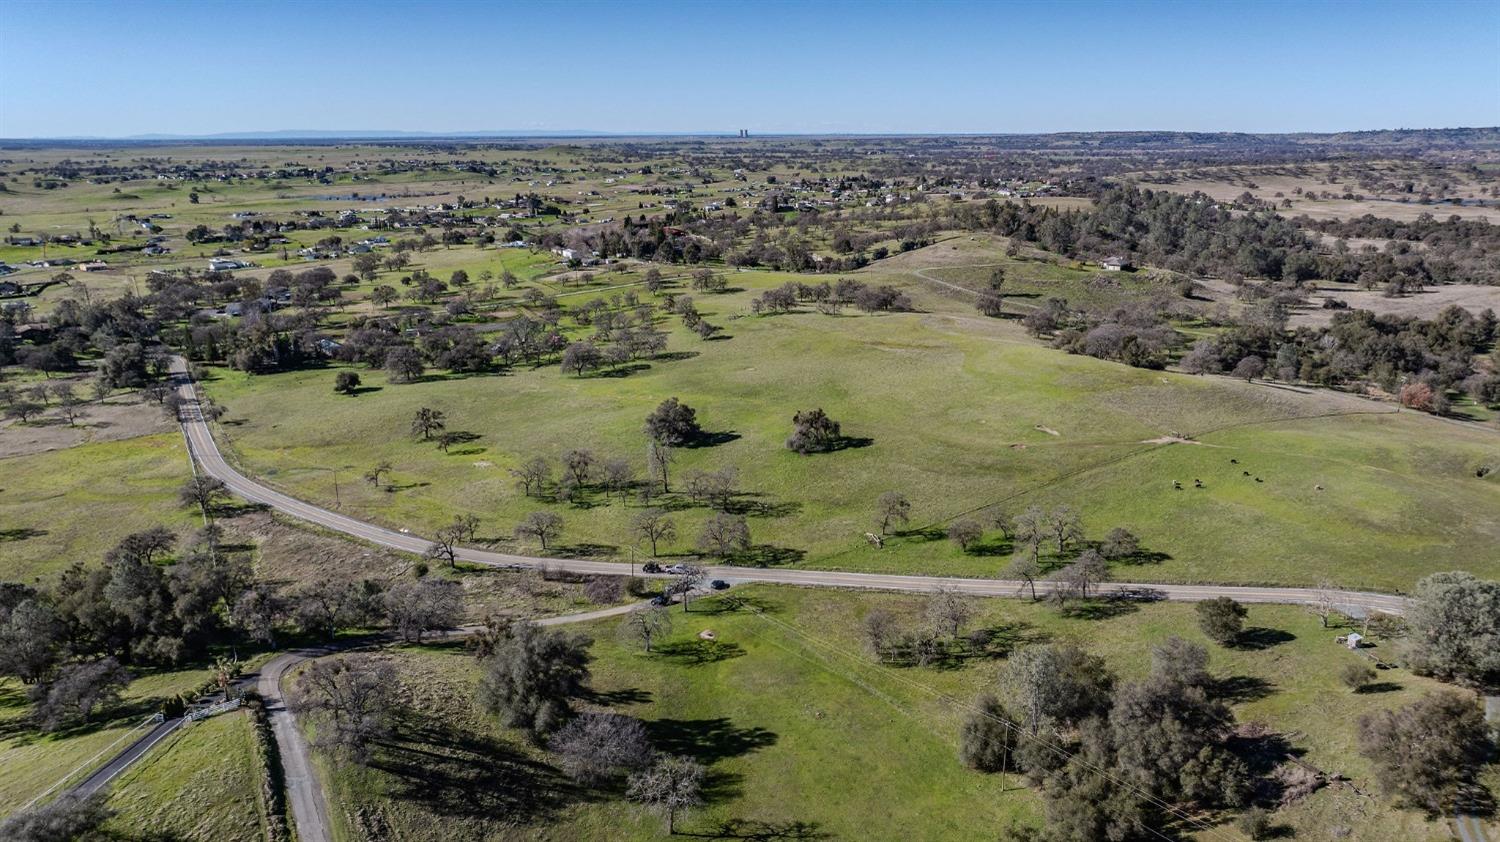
<point x="542" y="526"/>
<point x="670" y="786"/>
<point x="949" y="611"/>
<point x="724" y="534"/>
<point x="532" y="476"/>
<point x="647" y="625"/>
<point x="964" y="532"/>
<point x="653" y="525"/>
<point x="352" y="700"/>
<point x="203" y="491"/>
<point x="892" y="507"/>
<point x="597" y="746"/>
<point x="429" y="604"/>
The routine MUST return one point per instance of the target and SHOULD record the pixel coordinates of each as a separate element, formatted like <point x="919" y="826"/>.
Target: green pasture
<point x="956" y="411"/>
<point x="802" y="730"/>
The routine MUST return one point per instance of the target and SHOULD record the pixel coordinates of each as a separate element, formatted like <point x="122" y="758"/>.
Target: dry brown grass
<point x="291" y="554"/>
<point x="123" y="417"/>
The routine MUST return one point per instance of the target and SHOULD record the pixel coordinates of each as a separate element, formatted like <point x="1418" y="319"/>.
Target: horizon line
<point x="579" y="134"/>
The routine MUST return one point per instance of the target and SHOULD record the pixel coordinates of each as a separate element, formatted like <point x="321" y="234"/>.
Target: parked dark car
<point x="719" y="584"/>
<point x="650" y="567"/>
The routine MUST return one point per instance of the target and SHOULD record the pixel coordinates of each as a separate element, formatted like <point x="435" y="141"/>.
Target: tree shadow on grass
<point x="623" y="370"/>
<point x="1242" y="688"/>
<point x="707" y="740"/>
<point x="731" y="603"/>
<point x="755" y="830"/>
<point x="20" y="534"/>
<point x="1263" y="751"/>
<point x="582" y="503"/>
<point x="697" y="652"/>
<point x="463" y="774"/>
<point x="767" y="555"/>
<point x="991" y="548"/>
<point x="761" y="508"/>
<point x="612" y="698"/>
<point x="1259" y="637"/>
<point x="921" y="533"/>
<point x="1143" y="556"/>
<point x="236" y="508"/>
<point x="714" y="439"/>
<point x="848" y="443"/>
<point x="1378" y="687"/>
<point x="1099" y="608"/>
<point x="986" y="644"/>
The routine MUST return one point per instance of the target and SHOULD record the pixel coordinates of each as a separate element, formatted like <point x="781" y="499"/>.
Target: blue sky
<point x="78" y="67"/>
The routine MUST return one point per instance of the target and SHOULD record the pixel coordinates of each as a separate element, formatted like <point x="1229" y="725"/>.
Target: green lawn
<point x="801" y="729"/>
<point x="202" y="783"/>
<point x="956" y="411"/>
<point x="72" y="505"/>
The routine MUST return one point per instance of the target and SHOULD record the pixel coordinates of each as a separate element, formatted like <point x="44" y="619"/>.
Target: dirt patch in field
<point x="1170" y="440"/>
<point x="120" y="418"/>
<point x="1423" y="305"/>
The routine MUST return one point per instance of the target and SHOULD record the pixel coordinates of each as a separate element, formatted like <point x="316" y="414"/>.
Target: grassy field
<point x="958" y="412"/>
<point x="72" y="505"/>
<point x="31" y="762"/>
<point x="201" y="784"/>
<point x="803" y="732"/>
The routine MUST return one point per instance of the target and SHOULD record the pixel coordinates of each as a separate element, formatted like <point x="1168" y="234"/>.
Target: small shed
<point x="1353" y="640"/>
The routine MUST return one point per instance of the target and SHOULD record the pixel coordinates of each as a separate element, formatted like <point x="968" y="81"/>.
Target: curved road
<point x="309" y="808"/>
<point x="205" y="453"/>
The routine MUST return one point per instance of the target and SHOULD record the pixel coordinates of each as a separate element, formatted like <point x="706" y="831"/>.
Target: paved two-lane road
<point x="205" y="453"/>
<point x="308" y="806"/>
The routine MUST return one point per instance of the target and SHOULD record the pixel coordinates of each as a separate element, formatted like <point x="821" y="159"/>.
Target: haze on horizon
<point x="178" y="68"/>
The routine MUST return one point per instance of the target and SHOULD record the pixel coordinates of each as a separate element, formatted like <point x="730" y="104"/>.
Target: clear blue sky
<point x="79" y="67"/>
